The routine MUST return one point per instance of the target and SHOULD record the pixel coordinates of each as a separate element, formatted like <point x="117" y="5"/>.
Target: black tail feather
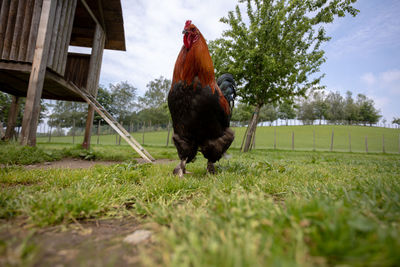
<point x="228" y="87"/>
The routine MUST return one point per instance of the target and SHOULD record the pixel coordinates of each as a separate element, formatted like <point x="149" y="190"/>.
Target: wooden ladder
<point x="115" y="125"/>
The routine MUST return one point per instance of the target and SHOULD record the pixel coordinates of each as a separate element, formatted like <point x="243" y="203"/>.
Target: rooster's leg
<point x="180" y="169"/>
<point x="210" y="167"/>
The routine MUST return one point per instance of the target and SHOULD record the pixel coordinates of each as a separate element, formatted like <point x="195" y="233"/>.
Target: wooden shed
<point x="34" y="60"/>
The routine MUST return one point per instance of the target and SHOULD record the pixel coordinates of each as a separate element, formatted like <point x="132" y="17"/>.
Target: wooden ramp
<point x="114" y="124"/>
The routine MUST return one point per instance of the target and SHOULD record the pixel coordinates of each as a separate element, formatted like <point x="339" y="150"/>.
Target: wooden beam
<point x="36" y="79"/>
<point x="92" y="14"/>
<point x="12" y="118"/>
<point x="93" y="78"/>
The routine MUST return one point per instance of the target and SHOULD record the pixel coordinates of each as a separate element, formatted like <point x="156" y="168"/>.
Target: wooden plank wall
<point x="19" y="21"/>
<point x="77" y="69"/>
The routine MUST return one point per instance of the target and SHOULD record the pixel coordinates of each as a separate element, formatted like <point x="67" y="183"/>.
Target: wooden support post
<point x="36" y="79"/>
<point x="12" y="118"/>
<point x="275" y="138"/>
<point x="332" y="140"/>
<point x="93" y="78"/>
<point x="366" y="144"/>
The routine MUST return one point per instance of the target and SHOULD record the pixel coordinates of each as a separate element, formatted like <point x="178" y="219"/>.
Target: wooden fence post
<point x="332" y="140"/>
<point x="313" y="139"/>
<point x="98" y="132"/>
<point x="366" y="144"/>
<point x="169" y="129"/>
<point x="292" y="140"/>
<point x="144" y="125"/>
<point x="350" y="141"/>
<point x="73" y="131"/>
<point x="383" y="143"/>
<point x="275" y="138"/>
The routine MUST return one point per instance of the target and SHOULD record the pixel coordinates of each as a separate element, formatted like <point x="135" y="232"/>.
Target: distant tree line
<point x="316" y="107"/>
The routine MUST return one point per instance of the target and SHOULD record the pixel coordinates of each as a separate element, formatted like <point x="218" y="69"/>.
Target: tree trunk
<point x="12" y="118"/>
<point x="251" y="129"/>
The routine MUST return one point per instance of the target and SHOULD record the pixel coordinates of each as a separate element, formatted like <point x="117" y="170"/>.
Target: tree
<point x="335" y="103"/>
<point x="351" y="111"/>
<point x="286" y="111"/>
<point x="319" y="105"/>
<point x="242" y="113"/>
<point x="306" y="112"/>
<point x="154" y="102"/>
<point x="396" y="121"/>
<point x="368" y="113"/>
<point x="275" y="53"/>
<point x="268" y="113"/>
<point x="123" y="97"/>
<point x="156" y="94"/>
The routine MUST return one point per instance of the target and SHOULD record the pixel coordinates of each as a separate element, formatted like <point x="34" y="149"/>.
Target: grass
<point x="280" y="208"/>
<point x="303" y="138"/>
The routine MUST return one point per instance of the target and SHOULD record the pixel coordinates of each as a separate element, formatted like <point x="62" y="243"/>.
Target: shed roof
<point x="109" y="14"/>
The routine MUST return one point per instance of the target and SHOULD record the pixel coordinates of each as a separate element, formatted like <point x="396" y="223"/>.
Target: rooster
<point x="200" y="107"/>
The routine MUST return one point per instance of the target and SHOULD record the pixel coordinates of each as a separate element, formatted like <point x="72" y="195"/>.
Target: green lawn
<point x="263" y="208"/>
<point x="303" y="138"/>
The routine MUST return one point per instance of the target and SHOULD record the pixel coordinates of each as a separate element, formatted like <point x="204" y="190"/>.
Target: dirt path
<point x="70" y="163"/>
<point x="88" y="243"/>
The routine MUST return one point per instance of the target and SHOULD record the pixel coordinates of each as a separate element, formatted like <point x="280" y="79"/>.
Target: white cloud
<point x="368" y="78"/>
<point x="390" y="76"/>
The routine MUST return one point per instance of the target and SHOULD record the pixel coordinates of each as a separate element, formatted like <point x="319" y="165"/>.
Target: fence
<point x="302" y="138"/>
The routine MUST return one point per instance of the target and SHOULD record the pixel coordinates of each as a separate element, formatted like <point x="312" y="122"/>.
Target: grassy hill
<point x="303" y="138"/>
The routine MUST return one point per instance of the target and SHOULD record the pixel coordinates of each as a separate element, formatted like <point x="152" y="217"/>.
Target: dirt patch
<point x="88" y="243"/>
<point x="69" y="163"/>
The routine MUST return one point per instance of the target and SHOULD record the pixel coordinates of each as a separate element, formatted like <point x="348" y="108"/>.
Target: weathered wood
<point x="275" y="138"/>
<point x="36" y="80"/>
<point x="33" y="32"/>
<point x="12" y="15"/>
<point x="5" y="7"/>
<point x="93" y="78"/>
<point x="62" y="28"/>
<point x="56" y="34"/>
<point x="332" y="140"/>
<point x="25" y="31"/>
<point x="92" y="15"/>
<point x="18" y="30"/>
<point x="12" y="118"/>
<point x="61" y="65"/>
<point x="77" y="68"/>
<point x="366" y="144"/>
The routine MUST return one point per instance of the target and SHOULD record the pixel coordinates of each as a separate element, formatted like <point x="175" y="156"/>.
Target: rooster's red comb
<point x="188" y="22"/>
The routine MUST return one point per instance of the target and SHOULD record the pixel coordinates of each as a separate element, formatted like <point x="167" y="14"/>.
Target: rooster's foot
<point x="180" y="169"/>
<point x="210" y="167"/>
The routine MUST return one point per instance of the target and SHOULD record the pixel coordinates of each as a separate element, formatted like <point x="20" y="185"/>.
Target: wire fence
<point x="322" y="137"/>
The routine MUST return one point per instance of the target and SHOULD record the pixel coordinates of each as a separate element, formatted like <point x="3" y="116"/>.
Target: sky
<point x="363" y="55"/>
